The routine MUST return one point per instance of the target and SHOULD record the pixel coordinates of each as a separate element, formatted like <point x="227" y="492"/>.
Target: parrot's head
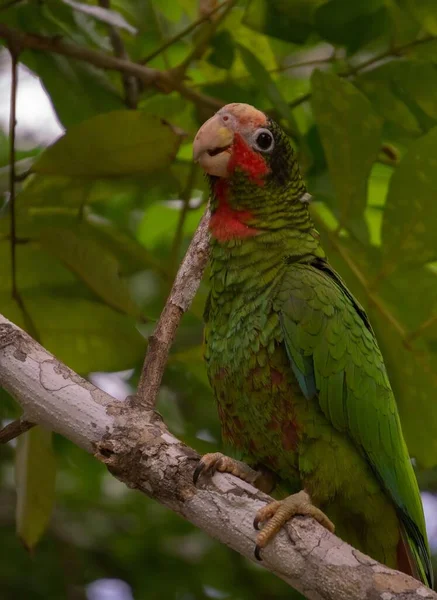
<point x="252" y="169"/>
<point x="241" y="138"/>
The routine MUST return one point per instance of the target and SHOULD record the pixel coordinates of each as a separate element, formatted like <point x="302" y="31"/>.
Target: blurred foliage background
<point x="104" y="214"/>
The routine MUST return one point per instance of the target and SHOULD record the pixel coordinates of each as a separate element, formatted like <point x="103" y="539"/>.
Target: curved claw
<point x="275" y="514"/>
<point x="198" y="471"/>
<point x="208" y="464"/>
<point x="257" y="553"/>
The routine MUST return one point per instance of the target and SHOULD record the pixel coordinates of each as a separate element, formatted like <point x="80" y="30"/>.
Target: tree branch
<point x="165" y="81"/>
<point x="139" y="450"/>
<point x="182" y="293"/>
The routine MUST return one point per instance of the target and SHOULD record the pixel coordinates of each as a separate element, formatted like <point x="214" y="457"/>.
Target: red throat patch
<point x="226" y="223"/>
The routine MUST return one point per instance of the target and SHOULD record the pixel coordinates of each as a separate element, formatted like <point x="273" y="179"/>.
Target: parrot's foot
<point x="278" y="512"/>
<point x="216" y="461"/>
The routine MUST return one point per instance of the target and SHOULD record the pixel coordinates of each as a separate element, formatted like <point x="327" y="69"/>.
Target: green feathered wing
<point x="335" y="357"/>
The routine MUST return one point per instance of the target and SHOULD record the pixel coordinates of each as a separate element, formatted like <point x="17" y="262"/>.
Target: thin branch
<point x="182" y="293"/>
<point x="390" y="53"/>
<point x="304" y="63"/>
<point x="14" y="52"/>
<point x="182" y="34"/>
<point x="161" y="33"/>
<point x="14" y="429"/>
<point x="202" y="45"/>
<point x="130" y="84"/>
<point x="12" y="175"/>
<point x="138" y="449"/>
<point x="162" y="80"/>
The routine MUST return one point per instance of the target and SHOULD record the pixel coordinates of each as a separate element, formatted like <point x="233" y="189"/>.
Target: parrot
<point x="303" y="395"/>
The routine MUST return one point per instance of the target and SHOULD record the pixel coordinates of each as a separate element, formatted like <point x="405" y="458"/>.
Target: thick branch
<point x="182" y="293"/>
<point x="163" y="80"/>
<point x="140" y="451"/>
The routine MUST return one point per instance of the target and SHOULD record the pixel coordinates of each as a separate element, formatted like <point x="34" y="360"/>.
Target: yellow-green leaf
<point x="35" y="473"/>
<point x="121" y="142"/>
<point x="425" y="13"/>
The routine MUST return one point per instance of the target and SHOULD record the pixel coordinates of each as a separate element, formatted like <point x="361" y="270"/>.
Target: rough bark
<point x="139" y="450"/>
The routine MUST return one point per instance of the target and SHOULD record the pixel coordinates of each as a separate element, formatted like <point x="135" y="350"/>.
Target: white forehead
<point x="243" y="117"/>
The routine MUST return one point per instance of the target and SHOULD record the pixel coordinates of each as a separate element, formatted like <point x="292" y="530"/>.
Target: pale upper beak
<point x="212" y="146"/>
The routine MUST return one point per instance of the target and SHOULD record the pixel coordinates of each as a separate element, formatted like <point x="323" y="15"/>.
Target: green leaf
<point x="408" y="233"/>
<point x="425" y="13"/>
<point x="95" y="265"/>
<point x="351" y="135"/>
<point x="351" y="24"/>
<point x="263" y="78"/>
<point x="223" y="50"/>
<point x="59" y="74"/>
<point x="34" y="268"/>
<point x="159" y="224"/>
<point x="380" y="86"/>
<point x="35" y="473"/>
<point x="417" y="81"/>
<point x="116" y="143"/>
<point x="77" y="89"/>
<point x="404" y="93"/>
<point x="111" y="17"/>
<point x="403" y="27"/>
<point x="79" y="330"/>
<point x="291" y="21"/>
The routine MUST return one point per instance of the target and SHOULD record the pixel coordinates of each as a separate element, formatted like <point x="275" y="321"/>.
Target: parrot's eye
<point x="264" y="140"/>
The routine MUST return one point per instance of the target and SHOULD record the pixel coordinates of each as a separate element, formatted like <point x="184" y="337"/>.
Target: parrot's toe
<point x="277" y="513"/>
<point x="216" y="461"/>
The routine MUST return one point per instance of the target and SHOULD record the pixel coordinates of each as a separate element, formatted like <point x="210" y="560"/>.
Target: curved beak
<point x="212" y="146"/>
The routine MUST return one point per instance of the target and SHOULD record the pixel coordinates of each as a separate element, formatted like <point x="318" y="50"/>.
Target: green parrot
<point x="302" y="391"/>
